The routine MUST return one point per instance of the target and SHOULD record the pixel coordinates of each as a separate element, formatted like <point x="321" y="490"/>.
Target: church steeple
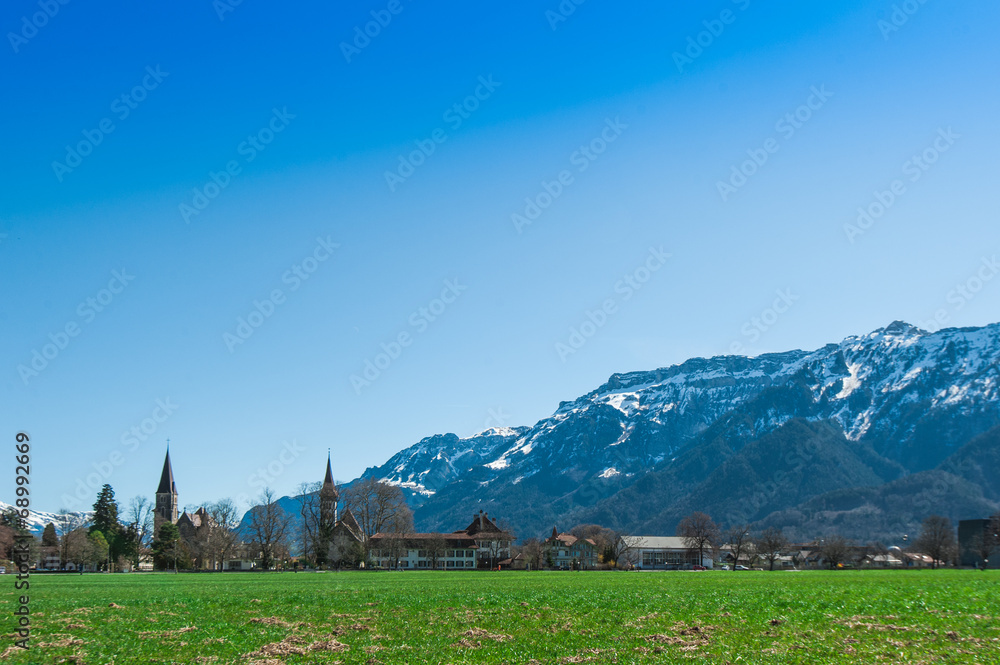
<point x="166" y="496"/>
<point x="329" y="471"/>
<point x="167" y="484"/>
<point x="329" y="497"/>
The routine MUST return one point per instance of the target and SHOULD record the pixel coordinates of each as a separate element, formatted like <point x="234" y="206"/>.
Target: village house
<point x="481" y="545"/>
<point x="564" y="551"/>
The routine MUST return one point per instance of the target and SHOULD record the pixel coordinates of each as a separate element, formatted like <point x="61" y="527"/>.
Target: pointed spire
<point x="329" y="470"/>
<point x="167" y="485"/>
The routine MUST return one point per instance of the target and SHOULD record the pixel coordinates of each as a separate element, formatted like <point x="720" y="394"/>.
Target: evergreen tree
<point x="49" y="537"/>
<point x="106" y="521"/>
<point x="167" y="547"/>
<point x="105" y="512"/>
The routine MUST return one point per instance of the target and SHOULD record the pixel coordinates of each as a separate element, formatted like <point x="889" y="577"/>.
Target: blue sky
<point x="619" y="142"/>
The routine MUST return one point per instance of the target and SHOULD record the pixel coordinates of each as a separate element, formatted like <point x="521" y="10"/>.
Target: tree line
<point x="117" y="538"/>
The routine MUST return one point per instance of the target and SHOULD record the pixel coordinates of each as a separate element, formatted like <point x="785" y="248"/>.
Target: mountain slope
<point x="36" y="520"/>
<point x="903" y="399"/>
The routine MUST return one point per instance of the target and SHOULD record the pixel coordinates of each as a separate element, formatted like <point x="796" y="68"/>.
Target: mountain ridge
<point x="909" y="398"/>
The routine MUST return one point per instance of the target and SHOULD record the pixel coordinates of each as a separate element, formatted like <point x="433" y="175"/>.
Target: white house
<point x="663" y="553"/>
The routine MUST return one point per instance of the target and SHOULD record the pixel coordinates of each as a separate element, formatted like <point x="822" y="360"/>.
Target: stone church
<point x="190" y="525"/>
<point x="333" y="534"/>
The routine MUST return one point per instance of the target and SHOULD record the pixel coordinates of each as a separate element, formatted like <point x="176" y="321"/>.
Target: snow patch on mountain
<point x="36" y="520"/>
<point x="879" y="387"/>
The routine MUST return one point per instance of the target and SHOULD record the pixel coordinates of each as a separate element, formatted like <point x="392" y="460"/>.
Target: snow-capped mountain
<point x="37" y="520"/>
<point x="436" y="461"/>
<point x="912" y="397"/>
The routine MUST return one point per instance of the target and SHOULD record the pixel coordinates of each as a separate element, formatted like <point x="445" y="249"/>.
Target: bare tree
<point x="308" y="495"/>
<point x="269" y="527"/>
<point x="531" y="550"/>
<point x="76" y="547"/>
<point x="139" y="527"/>
<point x="623" y="551"/>
<point x="394" y="542"/>
<point x="435" y="550"/>
<point x="937" y="539"/>
<point x="740" y="542"/>
<point x="980" y="547"/>
<point x="498" y="547"/>
<point x="66" y="524"/>
<point x="770" y="544"/>
<point x="602" y="536"/>
<point x="378" y="507"/>
<point x="859" y="554"/>
<point x="835" y="550"/>
<point x="222" y="531"/>
<point x="629" y="552"/>
<point x="699" y="532"/>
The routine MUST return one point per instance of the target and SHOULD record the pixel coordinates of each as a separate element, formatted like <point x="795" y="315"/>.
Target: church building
<point x="193" y="527"/>
<point x="335" y="536"/>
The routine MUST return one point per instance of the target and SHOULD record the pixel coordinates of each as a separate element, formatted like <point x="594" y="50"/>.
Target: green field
<point x="715" y="617"/>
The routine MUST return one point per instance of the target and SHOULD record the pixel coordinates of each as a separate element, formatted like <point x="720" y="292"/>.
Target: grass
<point x="713" y="617"/>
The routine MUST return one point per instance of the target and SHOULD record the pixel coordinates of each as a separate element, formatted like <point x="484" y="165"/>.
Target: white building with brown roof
<point x="481" y="545"/>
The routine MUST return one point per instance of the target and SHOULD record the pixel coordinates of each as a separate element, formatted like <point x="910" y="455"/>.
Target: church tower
<point x="166" y="498"/>
<point x="329" y="497"/>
